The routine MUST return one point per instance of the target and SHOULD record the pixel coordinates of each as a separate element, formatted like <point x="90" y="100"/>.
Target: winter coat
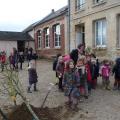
<point x="88" y="72"/>
<point x="29" y="57"/>
<point x="116" y="71"/>
<point x="105" y="70"/>
<point x="71" y="83"/>
<point x="15" y="58"/>
<point x="32" y="75"/>
<point x="94" y="71"/>
<point x="3" y="59"/>
<point x="55" y="64"/>
<point x="82" y="75"/>
<point x="21" y="58"/>
<point x="34" y="56"/>
<point x="11" y="59"/>
<point x="60" y="69"/>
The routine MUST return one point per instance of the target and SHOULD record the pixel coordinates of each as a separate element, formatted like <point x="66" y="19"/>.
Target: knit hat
<point x="31" y="64"/>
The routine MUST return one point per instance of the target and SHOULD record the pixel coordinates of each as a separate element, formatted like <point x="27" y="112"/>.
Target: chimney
<point x="53" y="10"/>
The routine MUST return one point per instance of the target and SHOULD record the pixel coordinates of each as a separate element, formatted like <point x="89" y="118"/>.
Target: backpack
<point x="55" y="64"/>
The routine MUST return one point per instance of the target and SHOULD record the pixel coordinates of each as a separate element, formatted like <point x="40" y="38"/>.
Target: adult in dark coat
<point x="21" y="59"/>
<point x="76" y="52"/>
<point x="29" y="57"/>
<point x="34" y="57"/>
<point x="15" y="59"/>
<point x="116" y="72"/>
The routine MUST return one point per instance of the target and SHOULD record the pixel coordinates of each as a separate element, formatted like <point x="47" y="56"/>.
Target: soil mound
<point x="22" y="113"/>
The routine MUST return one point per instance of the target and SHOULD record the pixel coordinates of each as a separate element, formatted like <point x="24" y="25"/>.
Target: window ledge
<point x="57" y="47"/>
<point x="100" y="3"/>
<point x="100" y="48"/>
<point x="118" y="48"/>
<point x="80" y="10"/>
<point x="47" y="48"/>
<point x="39" y="49"/>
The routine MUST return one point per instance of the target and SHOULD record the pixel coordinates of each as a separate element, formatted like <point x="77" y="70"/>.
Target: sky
<point x="16" y="15"/>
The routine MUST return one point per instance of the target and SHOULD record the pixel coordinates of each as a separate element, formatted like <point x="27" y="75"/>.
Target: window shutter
<point x="51" y="38"/>
<point x="43" y="39"/>
<point x="36" y="40"/>
<point x="62" y="32"/>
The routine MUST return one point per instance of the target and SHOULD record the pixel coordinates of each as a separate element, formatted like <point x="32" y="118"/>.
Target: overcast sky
<point x="16" y="15"/>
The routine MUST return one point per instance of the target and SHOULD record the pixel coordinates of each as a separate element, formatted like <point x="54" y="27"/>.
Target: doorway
<point x="21" y="46"/>
<point x="80" y="34"/>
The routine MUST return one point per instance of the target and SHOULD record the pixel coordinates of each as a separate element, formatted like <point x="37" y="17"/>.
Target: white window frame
<point x="39" y="36"/>
<point x="47" y="37"/>
<point x="80" y="4"/>
<point x="101" y="37"/>
<point x="57" y="36"/>
<point x="98" y="1"/>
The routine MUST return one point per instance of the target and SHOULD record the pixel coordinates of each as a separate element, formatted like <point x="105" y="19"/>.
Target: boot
<point x="28" y="90"/>
<point x="35" y="89"/>
<point x="115" y="88"/>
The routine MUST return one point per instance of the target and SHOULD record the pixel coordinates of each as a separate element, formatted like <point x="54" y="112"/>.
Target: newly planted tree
<point x="11" y="86"/>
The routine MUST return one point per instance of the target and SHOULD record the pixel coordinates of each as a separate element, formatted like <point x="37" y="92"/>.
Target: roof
<point x="50" y="16"/>
<point x="14" y="36"/>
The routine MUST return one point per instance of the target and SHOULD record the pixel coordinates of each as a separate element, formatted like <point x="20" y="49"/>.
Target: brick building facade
<point x="50" y="33"/>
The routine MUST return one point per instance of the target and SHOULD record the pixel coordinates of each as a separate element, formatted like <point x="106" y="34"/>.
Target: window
<point x="98" y="1"/>
<point x="57" y="35"/>
<point x="100" y="33"/>
<point x="39" y="36"/>
<point x="80" y="4"/>
<point x="47" y="40"/>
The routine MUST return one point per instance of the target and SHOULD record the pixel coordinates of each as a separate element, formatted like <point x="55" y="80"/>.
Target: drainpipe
<point x="69" y="24"/>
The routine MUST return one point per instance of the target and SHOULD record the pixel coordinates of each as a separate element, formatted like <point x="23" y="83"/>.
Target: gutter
<point x="69" y="25"/>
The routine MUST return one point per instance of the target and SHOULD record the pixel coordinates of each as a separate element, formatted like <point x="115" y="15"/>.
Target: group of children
<point x="78" y="79"/>
<point x="16" y="59"/>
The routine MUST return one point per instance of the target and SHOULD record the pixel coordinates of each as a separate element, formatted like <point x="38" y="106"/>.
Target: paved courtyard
<point x="101" y="105"/>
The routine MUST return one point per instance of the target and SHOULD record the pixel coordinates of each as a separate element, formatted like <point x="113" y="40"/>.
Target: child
<point x="88" y="72"/>
<point x="54" y="67"/>
<point x="116" y="71"/>
<point x="60" y="72"/>
<point x="32" y="76"/>
<point x="105" y="73"/>
<point x="94" y="72"/>
<point x="71" y="83"/>
<point x="3" y="60"/>
<point x="82" y="73"/>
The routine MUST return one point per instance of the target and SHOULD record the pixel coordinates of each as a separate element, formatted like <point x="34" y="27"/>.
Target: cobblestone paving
<point x="101" y="105"/>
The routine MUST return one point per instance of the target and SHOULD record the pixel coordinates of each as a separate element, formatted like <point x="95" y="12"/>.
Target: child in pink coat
<point x="105" y="73"/>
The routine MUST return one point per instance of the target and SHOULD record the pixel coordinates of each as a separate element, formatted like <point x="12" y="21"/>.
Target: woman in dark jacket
<point x="21" y="59"/>
<point x="76" y="52"/>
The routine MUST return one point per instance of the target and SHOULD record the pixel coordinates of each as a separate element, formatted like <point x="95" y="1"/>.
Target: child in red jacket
<point x="3" y="60"/>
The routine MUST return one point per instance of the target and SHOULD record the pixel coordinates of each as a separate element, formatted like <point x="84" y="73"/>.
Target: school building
<point x="50" y="33"/>
<point x="97" y="24"/>
<point x="18" y="40"/>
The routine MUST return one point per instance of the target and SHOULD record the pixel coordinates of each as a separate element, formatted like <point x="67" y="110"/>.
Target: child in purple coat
<point x="32" y="76"/>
